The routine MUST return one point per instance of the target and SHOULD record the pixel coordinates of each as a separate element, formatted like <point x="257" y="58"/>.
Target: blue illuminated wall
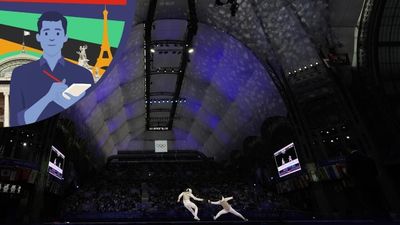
<point x="229" y="94"/>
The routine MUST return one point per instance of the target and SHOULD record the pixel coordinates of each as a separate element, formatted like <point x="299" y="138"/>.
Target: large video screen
<point x="56" y="163"/>
<point x="286" y="160"/>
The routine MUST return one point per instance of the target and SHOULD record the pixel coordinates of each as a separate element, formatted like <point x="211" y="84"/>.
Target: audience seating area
<point x="150" y="191"/>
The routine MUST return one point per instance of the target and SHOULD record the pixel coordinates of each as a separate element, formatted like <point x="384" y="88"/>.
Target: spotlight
<point x="191" y="50"/>
<point x="152" y="50"/>
<point x="24" y="144"/>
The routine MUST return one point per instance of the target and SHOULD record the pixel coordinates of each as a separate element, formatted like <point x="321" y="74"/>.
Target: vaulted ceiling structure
<point x="226" y="87"/>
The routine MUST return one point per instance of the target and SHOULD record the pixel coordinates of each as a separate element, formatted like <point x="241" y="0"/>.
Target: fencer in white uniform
<point x="227" y="208"/>
<point x="189" y="205"/>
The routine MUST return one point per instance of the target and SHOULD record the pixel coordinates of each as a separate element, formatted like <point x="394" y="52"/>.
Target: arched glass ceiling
<point x="228" y="91"/>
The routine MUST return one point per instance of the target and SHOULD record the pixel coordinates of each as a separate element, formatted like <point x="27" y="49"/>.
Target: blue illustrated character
<point x="38" y="89"/>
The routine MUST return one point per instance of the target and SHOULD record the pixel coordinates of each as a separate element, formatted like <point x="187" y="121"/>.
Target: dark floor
<point x="267" y="222"/>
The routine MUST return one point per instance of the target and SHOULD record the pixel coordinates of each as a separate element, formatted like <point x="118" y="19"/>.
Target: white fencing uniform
<point x="227" y="208"/>
<point x="189" y="205"/>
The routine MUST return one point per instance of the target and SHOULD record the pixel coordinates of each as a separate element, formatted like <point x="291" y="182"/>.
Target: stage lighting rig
<point x="234" y="5"/>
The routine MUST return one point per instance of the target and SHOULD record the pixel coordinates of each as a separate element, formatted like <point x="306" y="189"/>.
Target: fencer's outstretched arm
<point x="195" y="198"/>
<point x="179" y="197"/>
<point x="214" y="203"/>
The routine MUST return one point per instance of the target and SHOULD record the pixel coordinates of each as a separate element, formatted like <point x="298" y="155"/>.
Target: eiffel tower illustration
<point x="105" y="56"/>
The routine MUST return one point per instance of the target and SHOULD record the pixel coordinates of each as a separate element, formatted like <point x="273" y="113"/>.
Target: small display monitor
<point x="56" y="163"/>
<point x="286" y="160"/>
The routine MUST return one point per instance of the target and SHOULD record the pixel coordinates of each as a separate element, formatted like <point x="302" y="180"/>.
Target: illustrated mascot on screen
<point x="38" y="89"/>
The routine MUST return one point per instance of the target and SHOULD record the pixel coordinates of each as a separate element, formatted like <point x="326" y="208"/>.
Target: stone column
<point x="6" y="114"/>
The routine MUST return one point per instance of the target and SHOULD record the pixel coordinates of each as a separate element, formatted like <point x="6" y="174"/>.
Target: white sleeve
<point x="180" y="196"/>
<point x="195" y="198"/>
<point x="215" y="203"/>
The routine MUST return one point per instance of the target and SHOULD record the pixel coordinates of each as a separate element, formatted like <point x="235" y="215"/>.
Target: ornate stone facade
<point x="6" y="68"/>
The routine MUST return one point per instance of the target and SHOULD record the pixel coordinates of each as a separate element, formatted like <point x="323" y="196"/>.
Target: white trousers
<point x="231" y="210"/>
<point x="191" y="207"/>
